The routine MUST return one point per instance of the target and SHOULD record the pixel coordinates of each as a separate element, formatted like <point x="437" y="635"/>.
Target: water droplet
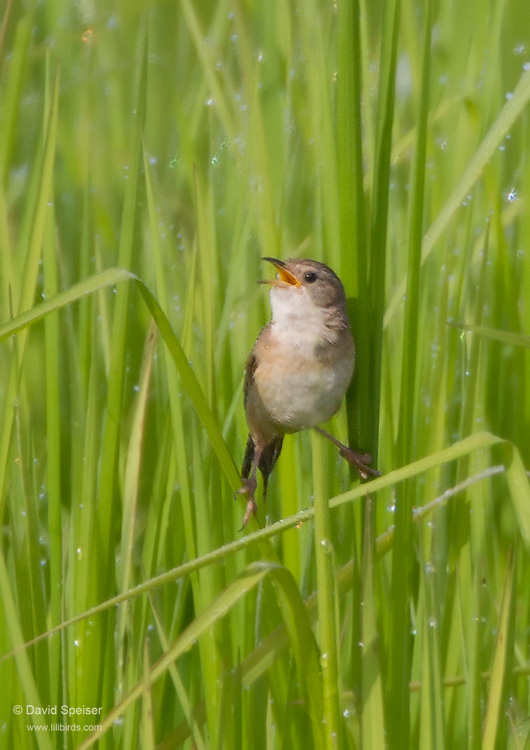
<point x="512" y="195"/>
<point x="519" y="49"/>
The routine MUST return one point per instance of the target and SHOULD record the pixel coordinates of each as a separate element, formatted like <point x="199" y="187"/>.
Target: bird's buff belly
<point x="301" y="398"/>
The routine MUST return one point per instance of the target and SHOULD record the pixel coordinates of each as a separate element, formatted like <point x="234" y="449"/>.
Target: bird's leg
<point x="249" y="487"/>
<point x="359" y="460"/>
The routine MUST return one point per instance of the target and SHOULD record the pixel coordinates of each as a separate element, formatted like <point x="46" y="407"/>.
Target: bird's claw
<point x="248" y="488"/>
<point x="250" y="511"/>
<point x="360" y="461"/>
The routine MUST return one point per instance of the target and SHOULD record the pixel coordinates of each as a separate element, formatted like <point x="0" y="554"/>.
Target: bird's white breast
<point x="299" y="385"/>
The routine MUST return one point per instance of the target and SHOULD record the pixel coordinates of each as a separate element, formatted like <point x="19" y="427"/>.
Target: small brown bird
<point x="298" y="369"/>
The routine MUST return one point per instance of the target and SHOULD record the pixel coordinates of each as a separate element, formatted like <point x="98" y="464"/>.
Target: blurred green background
<point x="180" y="142"/>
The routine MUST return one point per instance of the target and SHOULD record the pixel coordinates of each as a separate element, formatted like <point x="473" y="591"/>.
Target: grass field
<point x="150" y="155"/>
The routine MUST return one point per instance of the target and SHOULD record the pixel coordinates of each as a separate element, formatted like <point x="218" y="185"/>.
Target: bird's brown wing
<point x="250" y="368"/>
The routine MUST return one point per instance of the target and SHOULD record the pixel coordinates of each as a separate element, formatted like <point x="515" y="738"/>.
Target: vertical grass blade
<point x="399" y="666"/>
<point x="325" y="581"/>
<point x="501" y="660"/>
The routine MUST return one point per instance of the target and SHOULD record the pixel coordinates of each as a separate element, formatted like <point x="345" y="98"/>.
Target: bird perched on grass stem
<point x="298" y="370"/>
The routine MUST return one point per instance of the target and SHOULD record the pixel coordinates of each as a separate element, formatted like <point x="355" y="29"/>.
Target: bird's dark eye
<point x="310" y="277"/>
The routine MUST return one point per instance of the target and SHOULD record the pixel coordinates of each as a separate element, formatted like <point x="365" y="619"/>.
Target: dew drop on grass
<point x="526" y="66"/>
<point x="79" y="553"/>
<point x="432" y="622"/>
<point x="519" y="49"/>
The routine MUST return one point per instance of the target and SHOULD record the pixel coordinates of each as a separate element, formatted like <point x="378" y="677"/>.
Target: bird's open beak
<point x="284" y="278"/>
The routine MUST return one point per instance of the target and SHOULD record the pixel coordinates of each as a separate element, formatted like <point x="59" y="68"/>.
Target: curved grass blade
<point x="296" y="621"/>
<point x="478" y="442"/>
<point x="109" y="278"/>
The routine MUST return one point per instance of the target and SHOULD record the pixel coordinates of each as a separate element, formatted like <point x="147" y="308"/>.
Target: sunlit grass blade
<point x="498" y="130"/>
<point x="148" y="733"/>
<point x="23" y="662"/>
<point x="326" y="603"/>
<point x="403" y="560"/>
<point x="505" y="337"/>
<point x="503" y="650"/>
<point x="373" y="722"/>
<point x="77" y="291"/>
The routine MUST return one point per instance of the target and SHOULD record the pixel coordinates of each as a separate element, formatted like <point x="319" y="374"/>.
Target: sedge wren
<point x="298" y="369"/>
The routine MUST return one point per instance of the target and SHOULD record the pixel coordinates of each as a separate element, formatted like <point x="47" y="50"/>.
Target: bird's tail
<point x="266" y="462"/>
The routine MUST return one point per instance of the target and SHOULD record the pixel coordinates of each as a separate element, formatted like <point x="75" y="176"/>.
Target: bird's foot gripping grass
<point x="248" y="488"/>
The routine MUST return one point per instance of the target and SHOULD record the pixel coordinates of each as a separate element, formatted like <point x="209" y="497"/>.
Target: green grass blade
<point x="402" y="564"/>
<point x="325" y="581"/>
<point x="373" y="722"/>
<point x="505" y="337"/>
<point x="24" y="666"/>
<point x="494" y="710"/>
<point x="498" y="130"/>
<point x="300" y="631"/>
